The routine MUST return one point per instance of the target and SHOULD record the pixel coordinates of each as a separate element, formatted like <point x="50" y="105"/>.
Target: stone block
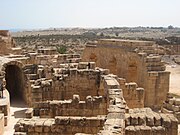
<point x="29" y="113"/>
<point x="159" y="130"/>
<point x="145" y="130"/>
<point x="141" y="119"/>
<point x="172" y="101"/>
<point x="175" y="108"/>
<point x="47" y="125"/>
<point x="62" y="120"/>
<point x="130" y="130"/>
<point x="19" y="133"/>
<point x="177" y="101"/>
<point x="134" y="119"/>
<point x="166" y="122"/>
<point x="149" y="119"/>
<point x="157" y="119"/>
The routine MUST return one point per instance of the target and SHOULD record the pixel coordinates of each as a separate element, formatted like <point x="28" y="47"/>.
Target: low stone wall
<point x="55" y="60"/>
<point x="172" y="106"/>
<point x="146" y="122"/>
<point x="92" y="106"/>
<point x="60" y="125"/>
<point x="174" y="49"/>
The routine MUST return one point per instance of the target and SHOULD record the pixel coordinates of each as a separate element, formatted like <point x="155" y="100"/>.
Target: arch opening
<point x="14" y="82"/>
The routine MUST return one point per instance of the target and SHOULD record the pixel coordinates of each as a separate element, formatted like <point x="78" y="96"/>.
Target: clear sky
<point x="31" y="14"/>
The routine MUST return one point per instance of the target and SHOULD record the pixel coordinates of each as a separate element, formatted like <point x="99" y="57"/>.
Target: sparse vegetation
<point x="75" y="39"/>
<point x="61" y="49"/>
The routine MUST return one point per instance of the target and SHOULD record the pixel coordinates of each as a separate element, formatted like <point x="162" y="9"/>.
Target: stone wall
<point x="92" y="106"/>
<point x="133" y="95"/>
<point x="117" y="120"/>
<point x="112" y="124"/>
<point x="136" y="62"/>
<point x="55" y="60"/>
<point x="6" y="42"/>
<point x="146" y="122"/>
<point x="64" y="85"/>
<point x="60" y="125"/>
<point x="174" y="49"/>
<point x="172" y="106"/>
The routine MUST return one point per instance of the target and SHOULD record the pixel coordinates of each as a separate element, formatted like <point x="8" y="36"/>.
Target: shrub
<point x="61" y="49"/>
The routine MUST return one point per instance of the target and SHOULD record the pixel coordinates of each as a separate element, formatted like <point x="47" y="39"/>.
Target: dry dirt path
<point x="17" y="111"/>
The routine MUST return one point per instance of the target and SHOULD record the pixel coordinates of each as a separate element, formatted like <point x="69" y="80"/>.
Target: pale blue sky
<point x="31" y="14"/>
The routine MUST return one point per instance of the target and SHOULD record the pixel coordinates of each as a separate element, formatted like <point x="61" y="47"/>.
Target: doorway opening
<point x="15" y="83"/>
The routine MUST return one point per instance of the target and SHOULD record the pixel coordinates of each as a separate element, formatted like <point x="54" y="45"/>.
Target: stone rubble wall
<point x="63" y="85"/>
<point x="146" y="122"/>
<point x="92" y="106"/>
<point x="55" y="60"/>
<point x="113" y="123"/>
<point x="173" y="49"/>
<point x="172" y="106"/>
<point x="133" y="95"/>
<point x="119" y="119"/>
<point x="59" y="125"/>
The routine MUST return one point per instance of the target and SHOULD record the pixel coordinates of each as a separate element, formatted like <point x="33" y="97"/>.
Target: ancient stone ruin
<point x="136" y="61"/>
<point x="104" y="91"/>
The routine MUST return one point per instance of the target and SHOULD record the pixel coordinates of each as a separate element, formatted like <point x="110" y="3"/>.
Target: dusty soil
<point x="17" y="111"/>
<point x="174" y="79"/>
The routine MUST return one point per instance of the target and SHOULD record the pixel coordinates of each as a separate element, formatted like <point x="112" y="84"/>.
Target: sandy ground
<point x="174" y="79"/>
<point x="17" y="111"/>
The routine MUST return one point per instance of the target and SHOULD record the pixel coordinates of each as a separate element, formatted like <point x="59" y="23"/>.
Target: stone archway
<point x="14" y="80"/>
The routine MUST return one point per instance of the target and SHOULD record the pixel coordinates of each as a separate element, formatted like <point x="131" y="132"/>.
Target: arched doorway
<point x="14" y="82"/>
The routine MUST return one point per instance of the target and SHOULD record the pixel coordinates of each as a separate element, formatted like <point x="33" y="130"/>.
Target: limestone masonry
<point x="112" y="89"/>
